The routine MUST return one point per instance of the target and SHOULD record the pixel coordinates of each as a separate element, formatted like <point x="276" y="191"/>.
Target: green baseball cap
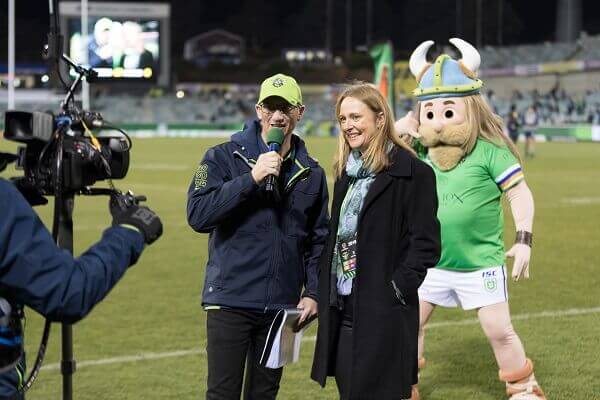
<point x="283" y="86"/>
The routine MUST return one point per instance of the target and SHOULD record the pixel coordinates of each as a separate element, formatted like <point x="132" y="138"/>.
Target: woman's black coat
<point x="398" y="239"/>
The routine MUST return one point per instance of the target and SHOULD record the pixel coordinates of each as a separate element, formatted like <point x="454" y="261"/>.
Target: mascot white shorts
<point x="468" y="290"/>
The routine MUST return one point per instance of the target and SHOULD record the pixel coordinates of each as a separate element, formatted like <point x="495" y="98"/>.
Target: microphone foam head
<point x="275" y="135"/>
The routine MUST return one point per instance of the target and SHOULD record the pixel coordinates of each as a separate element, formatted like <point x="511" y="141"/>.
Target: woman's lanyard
<point x="346" y="249"/>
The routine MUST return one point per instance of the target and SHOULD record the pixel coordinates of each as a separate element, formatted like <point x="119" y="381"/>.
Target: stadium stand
<point x="584" y="49"/>
<point x="233" y="107"/>
<point x="561" y="98"/>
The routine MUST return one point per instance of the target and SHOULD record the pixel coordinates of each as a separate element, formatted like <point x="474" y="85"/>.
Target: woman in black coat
<point x="384" y="234"/>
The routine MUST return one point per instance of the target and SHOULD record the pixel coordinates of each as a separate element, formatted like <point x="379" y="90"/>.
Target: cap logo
<point x="278" y="82"/>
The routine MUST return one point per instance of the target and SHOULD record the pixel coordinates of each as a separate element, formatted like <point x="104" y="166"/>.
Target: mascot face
<point x="443" y="121"/>
<point x="442" y="90"/>
<point x="445" y="130"/>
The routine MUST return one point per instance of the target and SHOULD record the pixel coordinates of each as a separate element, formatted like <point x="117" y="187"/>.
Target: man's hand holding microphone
<point x="268" y="165"/>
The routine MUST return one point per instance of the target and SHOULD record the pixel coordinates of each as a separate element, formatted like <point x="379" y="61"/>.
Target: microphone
<point x="274" y="140"/>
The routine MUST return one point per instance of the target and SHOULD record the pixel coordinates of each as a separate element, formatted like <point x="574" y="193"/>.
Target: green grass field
<point x="155" y="310"/>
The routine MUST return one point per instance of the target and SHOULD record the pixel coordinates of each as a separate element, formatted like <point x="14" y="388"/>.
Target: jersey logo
<point x="490" y="282"/>
<point x="450" y="198"/>
<point x="201" y="176"/>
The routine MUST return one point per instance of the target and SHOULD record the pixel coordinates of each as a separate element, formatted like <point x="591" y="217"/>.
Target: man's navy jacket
<point x="36" y="273"/>
<point x="261" y="252"/>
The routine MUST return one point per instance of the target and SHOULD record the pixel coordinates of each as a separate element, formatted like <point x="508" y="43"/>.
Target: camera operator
<point x="36" y="273"/>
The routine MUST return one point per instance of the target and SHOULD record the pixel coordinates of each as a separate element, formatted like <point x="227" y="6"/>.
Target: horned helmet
<point x="446" y="77"/>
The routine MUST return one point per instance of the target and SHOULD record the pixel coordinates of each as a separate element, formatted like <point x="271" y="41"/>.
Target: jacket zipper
<point x="297" y="176"/>
<point x="272" y="263"/>
<point x="249" y="162"/>
<point x="304" y="171"/>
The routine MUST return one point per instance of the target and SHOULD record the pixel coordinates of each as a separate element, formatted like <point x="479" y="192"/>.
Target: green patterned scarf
<point x="361" y="180"/>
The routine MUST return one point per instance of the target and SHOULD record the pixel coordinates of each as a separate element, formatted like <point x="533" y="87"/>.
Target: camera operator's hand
<point x="31" y="194"/>
<point x="267" y="164"/>
<point x="126" y="211"/>
<point x="5" y="159"/>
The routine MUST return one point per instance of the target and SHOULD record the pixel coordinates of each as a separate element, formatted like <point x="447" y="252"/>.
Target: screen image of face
<point x="118" y="47"/>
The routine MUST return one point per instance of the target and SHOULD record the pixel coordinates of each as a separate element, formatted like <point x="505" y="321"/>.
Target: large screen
<point x="118" y="47"/>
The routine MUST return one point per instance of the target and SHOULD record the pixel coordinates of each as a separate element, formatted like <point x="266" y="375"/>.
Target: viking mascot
<point x="461" y="138"/>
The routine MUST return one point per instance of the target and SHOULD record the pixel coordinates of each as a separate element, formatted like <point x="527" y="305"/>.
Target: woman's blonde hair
<point x="376" y="158"/>
<point x="486" y="125"/>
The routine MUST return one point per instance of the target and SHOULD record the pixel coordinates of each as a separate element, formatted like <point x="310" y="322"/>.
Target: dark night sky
<point x="269" y="25"/>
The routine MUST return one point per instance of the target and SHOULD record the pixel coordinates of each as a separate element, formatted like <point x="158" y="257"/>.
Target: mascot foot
<point x="415" y="388"/>
<point x="415" y="393"/>
<point x="521" y="384"/>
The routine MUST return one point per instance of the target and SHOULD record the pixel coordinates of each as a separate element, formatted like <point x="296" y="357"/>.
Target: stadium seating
<point x="233" y="107"/>
<point x="586" y="48"/>
<point x="232" y="104"/>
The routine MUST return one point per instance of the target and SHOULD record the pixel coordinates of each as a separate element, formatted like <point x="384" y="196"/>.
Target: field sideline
<point x="147" y="339"/>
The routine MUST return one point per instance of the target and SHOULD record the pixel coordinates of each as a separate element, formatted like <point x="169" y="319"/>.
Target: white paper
<point x="286" y="344"/>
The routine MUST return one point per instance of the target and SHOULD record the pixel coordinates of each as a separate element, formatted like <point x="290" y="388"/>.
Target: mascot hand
<point x="521" y="253"/>
<point x="407" y="125"/>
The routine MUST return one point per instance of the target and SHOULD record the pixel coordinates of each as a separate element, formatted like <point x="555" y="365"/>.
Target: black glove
<point x="5" y="159"/>
<point x="31" y="193"/>
<point x="126" y="210"/>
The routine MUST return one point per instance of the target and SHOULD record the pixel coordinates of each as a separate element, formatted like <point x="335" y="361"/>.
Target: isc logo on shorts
<point x="468" y="290"/>
<point x="490" y="281"/>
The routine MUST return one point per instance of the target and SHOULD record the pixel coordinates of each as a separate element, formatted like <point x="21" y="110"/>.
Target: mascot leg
<point x="415" y="388"/>
<point x="521" y="383"/>
<point x="415" y="393"/>
<point x="425" y="311"/>
<point x="515" y="368"/>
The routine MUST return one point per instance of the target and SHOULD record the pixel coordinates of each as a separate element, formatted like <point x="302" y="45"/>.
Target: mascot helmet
<point x="446" y="77"/>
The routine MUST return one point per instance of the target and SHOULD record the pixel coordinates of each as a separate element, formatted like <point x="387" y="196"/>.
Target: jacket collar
<point x="401" y="163"/>
<point x="246" y="140"/>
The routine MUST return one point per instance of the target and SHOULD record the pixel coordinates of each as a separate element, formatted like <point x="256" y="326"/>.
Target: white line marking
<point x="125" y="359"/>
<point x="200" y="351"/>
<point x="162" y="167"/>
<point x="581" y="201"/>
<point x="521" y="317"/>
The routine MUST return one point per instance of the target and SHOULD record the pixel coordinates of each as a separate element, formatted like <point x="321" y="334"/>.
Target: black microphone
<point x="274" y="140"/>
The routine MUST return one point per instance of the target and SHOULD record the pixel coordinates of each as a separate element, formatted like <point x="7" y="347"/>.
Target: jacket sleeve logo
<point x="201" y="176"/>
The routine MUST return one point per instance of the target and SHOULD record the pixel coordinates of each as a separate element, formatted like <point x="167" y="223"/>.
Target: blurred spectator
<point x="531" y="121"/>
<point x="513" y="123"/>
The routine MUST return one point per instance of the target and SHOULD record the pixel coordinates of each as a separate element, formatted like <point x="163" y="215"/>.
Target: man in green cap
<point x="263" y="249"/>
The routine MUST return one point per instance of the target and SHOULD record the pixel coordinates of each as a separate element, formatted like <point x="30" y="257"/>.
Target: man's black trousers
<point x="236" y="339"/>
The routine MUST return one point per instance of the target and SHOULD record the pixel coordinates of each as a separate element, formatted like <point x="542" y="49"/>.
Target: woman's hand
<point x="308" y="307"/>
